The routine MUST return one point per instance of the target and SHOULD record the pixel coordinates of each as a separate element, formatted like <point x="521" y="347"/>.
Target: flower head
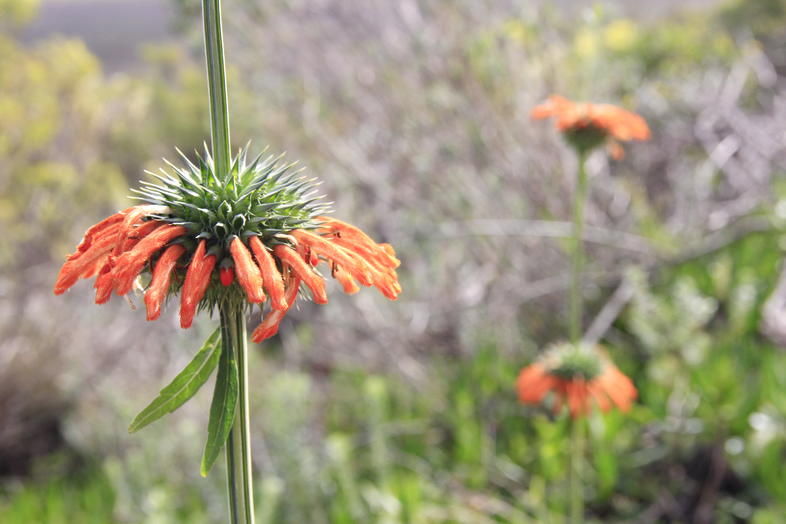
<point x="586" y="125"/>
<point x="261" y="232"/>
<point x="578" y="376"/>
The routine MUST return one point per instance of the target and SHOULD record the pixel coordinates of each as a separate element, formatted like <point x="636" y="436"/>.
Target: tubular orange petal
<point x="534" y="383"/>
<point x="95" y="231"/>
<point x="248" y="274"/>
<point x="159" y="284"/>
<point x="75" y="267"/>
<point x="574" y="400"/>
<point x="269" y="325"/>
<point x="307" y="254"/>
<point x="618" y="387"/>
<point x="95" y="267"/>
<point x="597" y="393"/>
<point x="271" y="278"/>
<point x="383" y="278"/>
<point x="105" y="283"/>
<point x="345" y="279"/>
<point x="303" y="271"/>
<point x="372" y="255"/>
<point x="356" y="266"/>
<point x="345" y="229"/>
<point x="354" y="241"/>
<point x="131" y="263"/>
<point x="195" y="284"/>
<point x="134" y="215"/>
<point x="136" y="235"/>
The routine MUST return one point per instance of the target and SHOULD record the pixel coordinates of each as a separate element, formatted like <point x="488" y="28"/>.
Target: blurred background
<point x="415" y="113"/>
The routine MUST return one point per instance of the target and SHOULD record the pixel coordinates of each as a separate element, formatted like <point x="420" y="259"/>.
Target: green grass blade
<point x="222" y="409"/>
<point x="184" y="386"/>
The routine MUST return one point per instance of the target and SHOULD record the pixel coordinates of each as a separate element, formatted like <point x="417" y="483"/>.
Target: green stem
<point x="238" y="446"/>
<point x="217" y="86"/>
<point x="577" y="251"/>
<point x="576" y="488"/>
<point x="233" y="321"/>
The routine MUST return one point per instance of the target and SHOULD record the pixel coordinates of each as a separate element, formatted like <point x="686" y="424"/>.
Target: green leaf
<point x="184" y="386"/>
<point x="222" y="409"/>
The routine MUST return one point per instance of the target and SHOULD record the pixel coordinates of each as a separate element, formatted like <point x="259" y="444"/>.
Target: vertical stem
<point x="233" y="323"/>
<point x="576" y="470"/>
<point x="217" y="86"/>
<point x="577" y="251"/>
<point x="576" y="312"/>
<point x="238" y="446"/>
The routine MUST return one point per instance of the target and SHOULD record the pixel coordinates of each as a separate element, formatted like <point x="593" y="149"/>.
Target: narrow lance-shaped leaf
<point x="222" y="409"/>
<point x="184" y="386"/>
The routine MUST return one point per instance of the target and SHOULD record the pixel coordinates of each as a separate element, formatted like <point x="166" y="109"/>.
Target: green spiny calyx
<point x="265" y="196"/>
<point x="569" y="361"/>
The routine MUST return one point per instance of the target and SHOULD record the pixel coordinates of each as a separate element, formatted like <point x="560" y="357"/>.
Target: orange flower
<point x="577" y="377"/>
<point x="269" y="325"/>
<point x="197" y="280"/>
<point x="300" y="267"/>
<point x="271" y="278"/>
<point x="248" y="274"/>
<point x="159" y="284"/>
<point x="132" y="262"/>
<point x="119" y="248"/>
<point x="588" y="125"/>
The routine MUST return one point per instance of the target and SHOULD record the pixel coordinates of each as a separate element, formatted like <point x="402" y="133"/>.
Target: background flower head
<point x="579" y="377"/>
<point x="586" y="125"/>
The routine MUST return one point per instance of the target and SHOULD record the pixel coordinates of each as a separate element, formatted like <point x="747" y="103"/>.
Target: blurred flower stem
<point x="576" y="312"/>
<point x="577" y="250"/>
<point x="233" y="322"/>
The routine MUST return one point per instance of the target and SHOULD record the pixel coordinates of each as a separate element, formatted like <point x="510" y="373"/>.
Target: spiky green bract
<point x="573" y="361"/>
<point x="265" y="196"/>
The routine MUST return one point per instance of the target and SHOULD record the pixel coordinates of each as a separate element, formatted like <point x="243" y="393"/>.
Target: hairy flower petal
<point x="96" y="230"/>
<point x="132" y="217"/>
<point x="74" y="268"/>
<point x="272" y="280"/>
<point x="346" y="280"/>
<point x="131" y="263"/>
<point x="195" y="284"/>
<point x="356" y="266"/>
<point x="295" y="262"/>
<point x="269" y="325"/>
<point x="159" y="284"/>
<point x="248" y="275"/>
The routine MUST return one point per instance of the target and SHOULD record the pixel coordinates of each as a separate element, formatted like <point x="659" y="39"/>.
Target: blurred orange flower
<point x="577" y="377"/>
<point x="587" y="125"/>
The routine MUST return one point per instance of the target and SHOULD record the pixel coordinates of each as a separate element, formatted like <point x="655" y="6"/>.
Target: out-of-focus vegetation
<point x="415" y="114"/>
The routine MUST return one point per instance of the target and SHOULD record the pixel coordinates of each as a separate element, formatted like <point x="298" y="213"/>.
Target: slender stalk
<point x="233" y="321"/>
<point x="576" y="487"/>
<point x="217" y="86"/>
<point x="577" y="251"/>
<point x="238" y="446"/>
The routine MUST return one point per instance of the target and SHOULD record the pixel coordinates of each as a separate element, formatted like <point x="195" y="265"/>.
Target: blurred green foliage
<point x="87" y="498"/>
<point x="52" y="99"/>
<point x="16" y="13"/>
